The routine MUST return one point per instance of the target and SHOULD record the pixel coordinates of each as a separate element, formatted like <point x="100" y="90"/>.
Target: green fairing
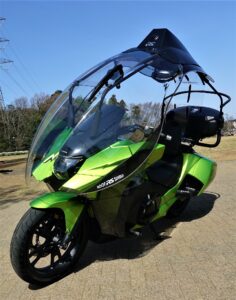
<point x="155" y="155"/>
<point x="101" y="164"/>
<point x="67" y="202"/>
<point x="45" y="169"/>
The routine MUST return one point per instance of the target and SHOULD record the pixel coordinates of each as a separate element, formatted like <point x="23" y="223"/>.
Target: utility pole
<point x="1" y="100"/>
<point x="4" y="119"/>
<point x="2" y="62"/>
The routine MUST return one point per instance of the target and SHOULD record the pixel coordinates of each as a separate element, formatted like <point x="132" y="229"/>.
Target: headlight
<point x="66" y="167"/>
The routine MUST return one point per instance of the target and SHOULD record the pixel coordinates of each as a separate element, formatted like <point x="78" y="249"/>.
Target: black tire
<point x="177" y="208"/>
<point x="36" y="238"/>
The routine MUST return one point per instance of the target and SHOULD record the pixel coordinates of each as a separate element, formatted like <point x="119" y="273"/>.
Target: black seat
<point x="166" y="171"/>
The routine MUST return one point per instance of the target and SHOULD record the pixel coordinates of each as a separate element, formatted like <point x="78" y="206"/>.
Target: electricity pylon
<point x="2" y="62"/>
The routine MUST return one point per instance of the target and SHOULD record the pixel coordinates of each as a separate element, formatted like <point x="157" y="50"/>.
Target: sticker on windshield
<point x="110" y="181"/>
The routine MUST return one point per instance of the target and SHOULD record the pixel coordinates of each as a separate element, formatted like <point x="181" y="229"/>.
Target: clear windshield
<point x="89" y="121"/>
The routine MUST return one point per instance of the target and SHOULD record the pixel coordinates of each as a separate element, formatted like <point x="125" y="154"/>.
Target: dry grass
<point x="13" y="157"/>
<point x="13" y="186"/>
<point x="225" y="151"/>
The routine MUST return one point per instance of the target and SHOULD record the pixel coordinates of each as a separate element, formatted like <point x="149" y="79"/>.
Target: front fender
<point x="67" y="202"/>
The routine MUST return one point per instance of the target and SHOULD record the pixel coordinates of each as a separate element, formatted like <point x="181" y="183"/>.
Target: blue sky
<point x="52" y="42"/>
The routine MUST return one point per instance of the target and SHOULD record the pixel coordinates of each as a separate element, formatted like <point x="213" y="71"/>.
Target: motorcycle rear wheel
<point x="35" y="252"/>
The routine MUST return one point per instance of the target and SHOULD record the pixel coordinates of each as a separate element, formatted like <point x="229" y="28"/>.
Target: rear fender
<point x="67" y="202"/>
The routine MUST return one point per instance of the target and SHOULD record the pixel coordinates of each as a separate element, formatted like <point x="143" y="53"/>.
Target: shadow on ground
<point x="134" y="248"/>
<point x="138" y="247"/>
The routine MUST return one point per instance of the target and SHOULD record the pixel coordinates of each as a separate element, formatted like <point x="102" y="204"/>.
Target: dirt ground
<point x="13" y="157"/>
<point x="195" y="260"/>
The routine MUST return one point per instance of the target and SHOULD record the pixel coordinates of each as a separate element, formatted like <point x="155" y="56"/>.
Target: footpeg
<point x="183" y="193"/>
<point x="191" y="190"/>
<point x="135" y="233"/>
<point x="188" y="191"/>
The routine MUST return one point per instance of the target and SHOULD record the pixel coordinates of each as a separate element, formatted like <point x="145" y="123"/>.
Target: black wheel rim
<point x="45" y="253"/>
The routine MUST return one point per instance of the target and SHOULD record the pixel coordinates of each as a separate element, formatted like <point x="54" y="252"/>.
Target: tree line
<point x="20" y="119"/>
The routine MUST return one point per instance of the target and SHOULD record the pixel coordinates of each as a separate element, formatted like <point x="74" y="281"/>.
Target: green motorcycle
<point x="114" y="160"/>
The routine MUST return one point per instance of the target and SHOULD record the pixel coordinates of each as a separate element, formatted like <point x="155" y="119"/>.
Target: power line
<point x="16" y="82"/>
<point x="27" y="71"/>
<point x="3" y="40"/>
<point x="10" y="88"/>
<point x="6" y="61"/>
<point x="23" y="76"/>
<point x="20" y="73"/>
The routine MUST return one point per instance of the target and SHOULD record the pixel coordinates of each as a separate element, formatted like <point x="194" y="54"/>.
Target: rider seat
<point x="166" y="171"/>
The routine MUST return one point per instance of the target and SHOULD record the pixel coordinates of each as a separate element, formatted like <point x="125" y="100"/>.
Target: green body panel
<point x="199" y="167"/>
<point x="95" y="167"/>
<point x="67" y="202"/>
<point x="101" y="164"/>
<point x="45" y="168"/>
<point x="155" y="155"/>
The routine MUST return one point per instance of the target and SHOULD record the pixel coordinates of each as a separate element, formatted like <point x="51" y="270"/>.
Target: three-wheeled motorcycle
<point x="117" y="154"/>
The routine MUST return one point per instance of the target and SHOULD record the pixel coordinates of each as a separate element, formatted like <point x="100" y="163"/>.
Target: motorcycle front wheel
<point x="36" y="253"/>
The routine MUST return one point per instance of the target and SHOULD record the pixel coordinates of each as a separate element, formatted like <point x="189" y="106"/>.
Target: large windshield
<point x="91" y="124"/>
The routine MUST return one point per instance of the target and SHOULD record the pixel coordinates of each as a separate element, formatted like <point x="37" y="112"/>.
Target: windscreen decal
<point x="110" y="181"/>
